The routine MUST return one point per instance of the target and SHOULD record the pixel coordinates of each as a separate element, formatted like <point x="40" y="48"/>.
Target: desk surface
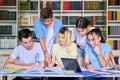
<point x="64" y="74"/>
<point x="56" y="75"/>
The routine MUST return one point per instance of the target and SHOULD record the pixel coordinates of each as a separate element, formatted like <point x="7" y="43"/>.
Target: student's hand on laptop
<point x="91" y="67"/>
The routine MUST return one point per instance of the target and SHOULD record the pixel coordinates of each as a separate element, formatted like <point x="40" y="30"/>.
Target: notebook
<point x="72" y="64"/>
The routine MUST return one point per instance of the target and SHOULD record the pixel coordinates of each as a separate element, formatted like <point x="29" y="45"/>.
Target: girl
<point x="97" y="52"/>
<point x="64" y="47"/>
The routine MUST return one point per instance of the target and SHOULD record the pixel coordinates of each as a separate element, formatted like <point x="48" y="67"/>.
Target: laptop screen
<point x="71" y="64"/>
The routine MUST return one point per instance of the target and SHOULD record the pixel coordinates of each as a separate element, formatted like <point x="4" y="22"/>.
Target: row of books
<point x="94" y="5"/>
<point x="7" y="15"/>
<point x="113" y="15"/>
<point x="69" y="20"/>
<point x="113" y="30"/>
<point x="115" y="44"/>
<point x="7" y="2"/>
<point x="96" y="20"/>
<point x="8" y="43"/>
<point x="54" y="5"/>
<point x="27" y="20"/>
<point x="8" y="30"/>
<point x="72" y="5"/>
<point x="28" y="5"/>
<point x="113" y="2"/>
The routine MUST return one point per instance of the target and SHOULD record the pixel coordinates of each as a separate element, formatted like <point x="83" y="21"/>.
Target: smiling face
<point x="94" y="40"/>
<point x="61" y="39"/>
<point x="27" y="43"/>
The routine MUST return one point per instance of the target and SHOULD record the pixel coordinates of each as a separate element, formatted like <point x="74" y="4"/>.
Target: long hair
<point x="82" y="22"/>
<point x="98" y="32"/>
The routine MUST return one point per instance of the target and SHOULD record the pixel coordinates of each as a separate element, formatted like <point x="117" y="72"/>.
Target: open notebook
<point x="72" y="64"/>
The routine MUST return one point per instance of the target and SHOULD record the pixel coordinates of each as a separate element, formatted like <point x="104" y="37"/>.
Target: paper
<point x="39" y="69"/>
<point x="9" y="70"/>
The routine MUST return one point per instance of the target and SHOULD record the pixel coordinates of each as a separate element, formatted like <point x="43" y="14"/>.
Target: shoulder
<point x="57" y="21"/>
<point x="38" y="21"/>
<point x="105" y="45"/>
<point x="74" y="30"/>
<point x="73" y="44"/>
<point x="56" y="45"/>
<point x="37" y="44"/>
<point x="19" y="47"/>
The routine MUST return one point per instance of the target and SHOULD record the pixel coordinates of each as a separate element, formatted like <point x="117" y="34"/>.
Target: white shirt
<point x="50" y="38"/>
<point x="27" y="56"/>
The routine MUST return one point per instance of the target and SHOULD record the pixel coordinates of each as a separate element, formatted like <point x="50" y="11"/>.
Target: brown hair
<point x="46" y="13"/>
<point x="24" y="33"/>
<point x="82" y="22"/>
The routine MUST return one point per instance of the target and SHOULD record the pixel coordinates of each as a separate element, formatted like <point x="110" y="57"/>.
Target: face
<point x="27" y="43"/>
<point x="61" y="39"/>
<point x="93" y="40"/>
<point x="83" y="32"/>
<point x="47" y="22"/>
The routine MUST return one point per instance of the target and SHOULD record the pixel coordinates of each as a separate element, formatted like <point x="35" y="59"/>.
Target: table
<point x="20" y="74"/>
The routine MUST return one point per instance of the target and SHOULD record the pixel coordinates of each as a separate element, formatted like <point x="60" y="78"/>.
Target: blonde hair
<point x="66" y="34"/>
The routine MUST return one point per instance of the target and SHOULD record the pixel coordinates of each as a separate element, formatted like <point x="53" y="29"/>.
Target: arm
<point x="112" y="59"/>
<point x="87" y="65"/>
<point x="43" y="45"/>
<point x="13" y="64"/>
<point x="53" y="61"/>
<point x="103" y="60"/>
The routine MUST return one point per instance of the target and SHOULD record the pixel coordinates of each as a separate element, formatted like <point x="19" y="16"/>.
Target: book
<point x="38" y="69"/>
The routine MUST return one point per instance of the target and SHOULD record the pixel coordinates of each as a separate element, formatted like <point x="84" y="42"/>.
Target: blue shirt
<point x="41" y="30"/>
<point x="93" y="60"/>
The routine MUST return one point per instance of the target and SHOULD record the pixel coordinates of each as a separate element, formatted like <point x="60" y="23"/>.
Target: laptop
<point x="72" y="64"/>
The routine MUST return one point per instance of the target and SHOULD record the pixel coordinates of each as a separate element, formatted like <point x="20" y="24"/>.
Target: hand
<point x="117" y="66"/>
<point x="97" y="50"/>
<point x="90" y="67"/>
<point x="47" y="57"/>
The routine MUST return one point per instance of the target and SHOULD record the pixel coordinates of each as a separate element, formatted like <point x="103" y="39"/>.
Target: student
<point x="23" y="56"/>
<point x="63" y="48"/>
<point x="83" y="26"/>
<point x="45" y="29"/>
<point x="97" y="52"/>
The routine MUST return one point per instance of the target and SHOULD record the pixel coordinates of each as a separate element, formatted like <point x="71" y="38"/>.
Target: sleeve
<point x="41" y="54"/>
<point x="15" y="52"/>
<point x="87" y="48"/>
<point x="73" y="50"/>
<point x="108" y="48"/>
<point x="38" y="29"/>
<point x="73" y="35"/>
<point x="57" y="25"/>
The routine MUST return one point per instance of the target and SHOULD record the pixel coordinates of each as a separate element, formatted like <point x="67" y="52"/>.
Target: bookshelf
<point x="66" y="10"/>
<point x="8" y="24"/>
<point x="113" y="24"/>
